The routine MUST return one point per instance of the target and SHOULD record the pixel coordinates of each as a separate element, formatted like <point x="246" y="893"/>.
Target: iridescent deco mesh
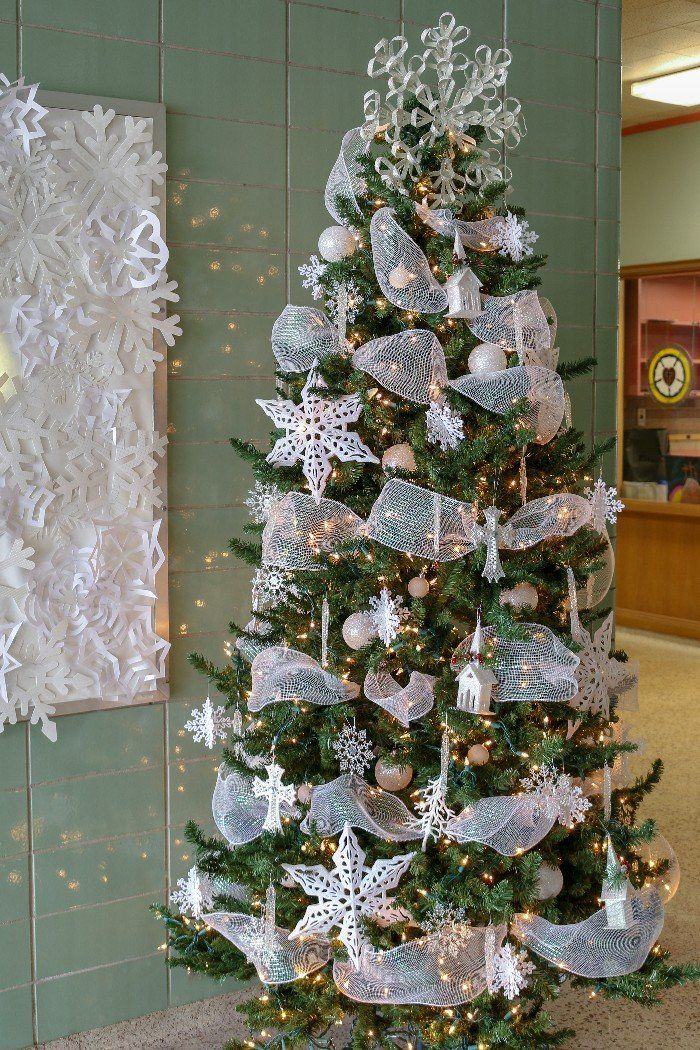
<point x="517" y="323"/>
<point x="442" y="969"/>
<point x="402" y="269"/>
<point x="499" y="391"/>
<point x="510" y="824"/>
<point x="405" y="703"/>
<point x="238" y="813"/>
<point x="660" y="856"/>
<point x="302" y="335"/>
<point x="299" y="530"/>
<point x="562" y="514"/>
<point x="278" y="963"/>
<point x="410" y="364"/>
<point x="350" y="799"/>
<point x="599" y="582"/>
<point x="417" y="521"/>
<point x="248" y="646"/>
<point x="536" y="668"/>
<point x="476" y="235"/>
<point x="345" y="180"/>
<point x="591" y="948"/>
<point x="283" y="675"/>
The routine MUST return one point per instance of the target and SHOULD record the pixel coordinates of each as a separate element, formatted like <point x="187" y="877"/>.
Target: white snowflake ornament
<point x="353" y="750"/>
<point x="260" y="501"/>
<point x="208" y="724"/>
<point x="605" y="506"/>
<point x="311" y="274"/>
<point x="558" y="795"/>
<point x="444" y="427"/>
<point x="387" y="615"/>
<point x="349" y="893"/>
<point x="511" y="970"/>
<point x="316" y="430"/>
<point x="513" y="237"/>
<point x="271" y="586"/>
<point x="276" y="793"/>
<point x="194" y="895"/>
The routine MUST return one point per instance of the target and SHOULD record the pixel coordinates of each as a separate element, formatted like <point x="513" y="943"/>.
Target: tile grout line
<point x="31" y="868"/>
<point x="20" y="42"/>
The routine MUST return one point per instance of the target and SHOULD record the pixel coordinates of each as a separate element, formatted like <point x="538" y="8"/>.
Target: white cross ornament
<point x="275" y="792"/>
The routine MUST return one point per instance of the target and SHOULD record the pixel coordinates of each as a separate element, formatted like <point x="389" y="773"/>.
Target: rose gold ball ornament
<point x="399" y="457"/>
<point x="336" y="243"/>
<point x="522" y="596"/>
<point x="358" y="630"/>
<point x="549" y="882"/>
<point x="418" y="587"/>
<point x="485" y="358"/>
<point x="478" y="755"/>
<point x="392" y="777"/>
<point x="304" y="793"/>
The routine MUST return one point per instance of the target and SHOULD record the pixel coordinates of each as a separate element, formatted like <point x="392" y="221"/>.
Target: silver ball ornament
<point x="336" y="243"/>
<point x="550" y="882"/>
<point x="485" y="358"/>
<point x="478" y="755"/>
<point x="522" y="596"/>
<point x="418" y="587"/>
<point x="392" y="777"/>
<point x="399" y="457"/>
<point x="358" y="630"/>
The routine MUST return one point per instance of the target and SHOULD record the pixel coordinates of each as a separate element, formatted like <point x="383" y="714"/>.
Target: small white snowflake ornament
<point x="276" y="793"/>
<point x="605" y="506"/>
<point x="353" y="750"/>
<point x="208" y="724"/>
<point x="311" y="274"/>
<point x="316" y="430"/>
<point x="387" y="615"/>
<point x="349" y="893"/>
<point x="511" y="970"/>
<point x="444" y="427"/>
<point x="514" y="237"/>
<point x="271" y="586"/>
<point x="260" y="501"/>
<point x="194" y="895"/>
<point x="558" y="794"/>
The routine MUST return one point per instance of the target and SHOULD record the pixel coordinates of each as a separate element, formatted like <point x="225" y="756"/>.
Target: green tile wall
<point x="256" y="96"/>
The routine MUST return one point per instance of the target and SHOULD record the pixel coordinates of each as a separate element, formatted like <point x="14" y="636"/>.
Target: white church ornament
<point x="463" y="288"/>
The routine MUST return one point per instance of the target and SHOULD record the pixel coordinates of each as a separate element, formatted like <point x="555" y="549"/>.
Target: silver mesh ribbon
<point x="476" y="235"/>
<point x="562" y="514"/>
<point x="592" y="948"/>
<point x="402" y="269"/>
<point x="441" y="969"/>
<point x="302" y="335"/>
<point x="283" y="675"/>
<point x="537" y="668"/>
<point x="345" y="179"/>
<point x="417" y="521"/>
<point x="599" y="582"/>
<point x="350" y="799"/>
<point x="249" y="647"/>
<point x="499" y="391"/>
<point x="410" y="364"/>
<point x="299" y="531"/>
<point x="510" y="824"/>
<point x="280" y="960"/>
<point x="406" y="703"/>
<point x="517" y="323"/>
<point x="238" y="813"/>
<point x="660" y="856"/>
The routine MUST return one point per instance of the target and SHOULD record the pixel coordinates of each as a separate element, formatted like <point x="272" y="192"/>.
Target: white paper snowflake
<point x="276" y="793"/>
<point x="599" y="675"/>
<point x="208" y="724"/>
<point x="558" y="793"/>
<point x="445" y="427"/>
<point x="123" y="249"/>
<point x="605" y="506"/>
<point x="272" y="586"/>
<point x="348" y="893"/>
<point x="195" y="894"/>
<point x="20" y="116"/>
<point x="8" y="633"/>
<point x="511" y="970"/>
<point x="311" y="274"/>
<point x="260" y="501"/>
<point x="40" y="681"/>
<point x="354" y="751"/>
<point x="316" y="430"/>
<point x="434" y="813"/>
<point x="514" y="237"/>
<point x="387" y="614"/>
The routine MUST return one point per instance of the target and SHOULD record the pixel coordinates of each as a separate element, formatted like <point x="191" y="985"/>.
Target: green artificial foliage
<point x="519" y="737"/>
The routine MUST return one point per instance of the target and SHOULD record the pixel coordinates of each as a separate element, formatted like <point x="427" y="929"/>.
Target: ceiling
<point x="658" y="36"/>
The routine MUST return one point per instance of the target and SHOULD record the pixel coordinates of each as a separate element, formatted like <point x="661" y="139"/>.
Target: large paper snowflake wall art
<point x="82" y="276"/>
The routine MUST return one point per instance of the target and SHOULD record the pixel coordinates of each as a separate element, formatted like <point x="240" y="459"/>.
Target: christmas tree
<point x="425" y="806"/>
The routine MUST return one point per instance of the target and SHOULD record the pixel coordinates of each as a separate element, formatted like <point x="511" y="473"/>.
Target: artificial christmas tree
<point x="458" y="499"/>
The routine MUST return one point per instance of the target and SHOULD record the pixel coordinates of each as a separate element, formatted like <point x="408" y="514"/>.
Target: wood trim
<point x="658" y="623"/>
<point x="660" y="269"/>
<point x="664" y="122"/>
<point x="651" y="509"/>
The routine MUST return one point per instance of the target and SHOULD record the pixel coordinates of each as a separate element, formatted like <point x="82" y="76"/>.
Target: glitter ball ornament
<point x="478" y="755"/>
<point x="549" y="882"/>
<point x="359" y="630"/>
<point x="485" y="358"/>
<point x="336" y="243"/>
<point x="522" y="596"/>
<point x="392" y="777"/>
<point x="418" y="587"/>
<point x="399" y="457"/>
<point x="304" y="792"/>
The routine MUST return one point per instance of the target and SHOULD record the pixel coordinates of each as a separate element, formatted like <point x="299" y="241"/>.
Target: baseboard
<point x="658" y="622"/>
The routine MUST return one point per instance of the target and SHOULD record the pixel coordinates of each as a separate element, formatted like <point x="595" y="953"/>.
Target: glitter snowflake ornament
<point x="208" y="724"/>
<point x="195" y="894"/>
<point x="353" y="750"/>
<point x="387" y="614"/>
<point x="260" y="501"/>
<point x="349" y="893"/>
<point x="605" y="506"/>
<point x="272" y="586"/>
<point x="514" y="238"/>
<point x="311" y="274"/>
<point x="558" y="794"/>
<point x="511" y="970"/>
<point x="316" y="429"/>
<point x="444" y="427"/>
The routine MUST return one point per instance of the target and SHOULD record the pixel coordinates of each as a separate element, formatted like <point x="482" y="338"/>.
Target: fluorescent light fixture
<point x="678" y="89"/>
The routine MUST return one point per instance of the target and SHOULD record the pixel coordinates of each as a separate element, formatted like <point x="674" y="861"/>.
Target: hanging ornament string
<point x="325" y="618"/>
<point x="607" y="793"/>
<point x="573" y="602"/>
<point x="523" y="477"/>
